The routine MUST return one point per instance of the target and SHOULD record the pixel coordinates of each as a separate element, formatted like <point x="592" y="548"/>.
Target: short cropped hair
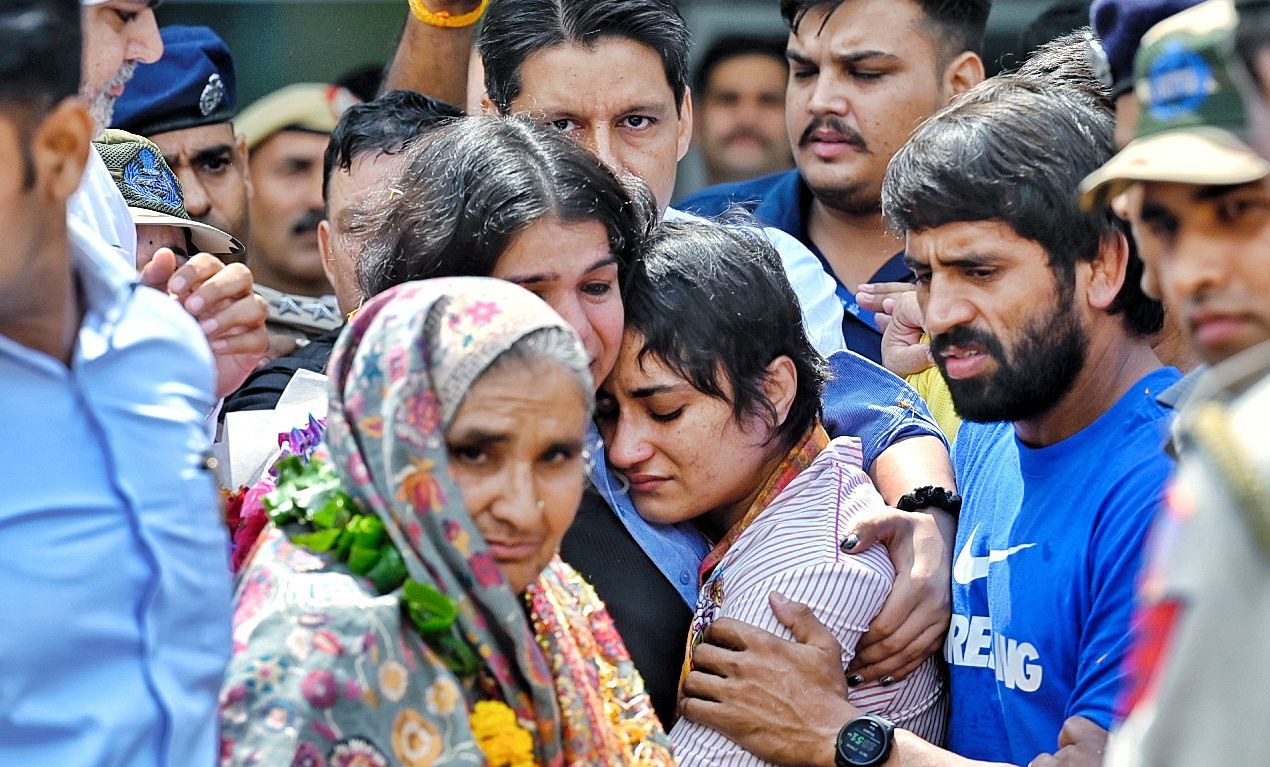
<point x="383" y="126"/>
<point x="714" y="306"/>
<point x="1015" y="151"/>
<point x="955" y="25"/>
<point x="730" y="47"/>
<point x="472" y="185"/>
<point x="514" y="30"/>
<point x="40" y="51"/>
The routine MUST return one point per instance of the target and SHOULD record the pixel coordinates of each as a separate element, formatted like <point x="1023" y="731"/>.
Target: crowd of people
<point x="422" y="429"/>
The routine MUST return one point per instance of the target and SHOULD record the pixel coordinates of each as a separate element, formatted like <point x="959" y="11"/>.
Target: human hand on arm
<point x="220" y="297"/>
<point x="784" y="701"/>
<point x="1080" y="744"/>
<point x="434" y="60"/>
<point x="913" y="620"/>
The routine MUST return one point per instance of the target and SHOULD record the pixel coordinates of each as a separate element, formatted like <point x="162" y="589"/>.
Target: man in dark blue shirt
<point x="863" y="74"/>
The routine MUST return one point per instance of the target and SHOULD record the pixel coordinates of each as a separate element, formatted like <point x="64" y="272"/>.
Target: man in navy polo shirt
<point x="863" y="74"/>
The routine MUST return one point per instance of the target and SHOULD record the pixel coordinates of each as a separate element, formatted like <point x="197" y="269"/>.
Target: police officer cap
<point x="193" y="84"/>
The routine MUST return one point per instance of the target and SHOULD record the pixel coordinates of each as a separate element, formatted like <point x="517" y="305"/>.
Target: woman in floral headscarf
<point x="451" y="468"/>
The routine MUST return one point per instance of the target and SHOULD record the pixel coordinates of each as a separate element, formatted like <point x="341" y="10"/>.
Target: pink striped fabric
<point x="793" y="548"/>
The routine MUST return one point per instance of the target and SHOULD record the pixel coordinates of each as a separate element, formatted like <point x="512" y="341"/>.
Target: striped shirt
<point x="793" y="548"/>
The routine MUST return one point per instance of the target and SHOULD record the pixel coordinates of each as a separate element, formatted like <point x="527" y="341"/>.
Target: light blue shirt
<point x="115" y="627"/>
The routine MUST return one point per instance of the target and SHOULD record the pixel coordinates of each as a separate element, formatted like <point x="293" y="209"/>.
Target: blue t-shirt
<point x="782" y="200"/>
<point x="1047" y="552"/>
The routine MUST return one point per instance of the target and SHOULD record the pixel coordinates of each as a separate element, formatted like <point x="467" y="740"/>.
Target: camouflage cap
<point x="152" y="192"/>
<point x="1193" y="125"/>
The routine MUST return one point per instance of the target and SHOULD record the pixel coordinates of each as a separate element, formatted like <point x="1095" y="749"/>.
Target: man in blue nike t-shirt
<point x="1042" y="340"/>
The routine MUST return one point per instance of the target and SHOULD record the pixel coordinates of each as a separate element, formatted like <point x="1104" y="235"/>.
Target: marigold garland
<point x="501" y="738"/>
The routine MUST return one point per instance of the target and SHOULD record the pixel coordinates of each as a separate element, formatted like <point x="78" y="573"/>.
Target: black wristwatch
<point x="864" y="742"/>
<point x="929" y="496"/>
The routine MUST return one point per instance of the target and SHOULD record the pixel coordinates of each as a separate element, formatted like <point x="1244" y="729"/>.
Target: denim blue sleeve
<point x="865" y="400"/>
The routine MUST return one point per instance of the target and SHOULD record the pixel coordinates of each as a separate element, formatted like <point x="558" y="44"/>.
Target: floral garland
<point x="310" y="496"/>
<point x="501" y="738"/>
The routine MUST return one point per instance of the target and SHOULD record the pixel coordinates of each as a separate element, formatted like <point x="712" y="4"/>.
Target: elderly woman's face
<point x="515" y="449"/>
<point x="570" y="267"/>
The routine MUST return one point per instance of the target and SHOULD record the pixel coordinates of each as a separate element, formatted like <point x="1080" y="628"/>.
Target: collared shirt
<point x="822" y="313"/>
<point x="791" y="547"/>
<point x="783" y="201"/>
<point x="99" y="207"/>
<point x="115" y="628"/>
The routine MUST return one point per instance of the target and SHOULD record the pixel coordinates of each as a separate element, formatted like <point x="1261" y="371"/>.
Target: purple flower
<point x="320" y="689"/>
<point x="308" y="755"/>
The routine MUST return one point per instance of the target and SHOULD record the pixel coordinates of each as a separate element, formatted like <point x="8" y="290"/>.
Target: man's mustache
<point x="966" y="336"/>
<point x="849" y="135"/>
<point x="746" y="133"/>
<point x="308" y="222"/>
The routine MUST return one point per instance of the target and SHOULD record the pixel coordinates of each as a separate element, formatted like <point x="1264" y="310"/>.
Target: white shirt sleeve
<point x="816" y="290"/>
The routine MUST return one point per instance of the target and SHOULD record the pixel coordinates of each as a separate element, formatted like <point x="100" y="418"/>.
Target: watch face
<point x="862" y="742"/>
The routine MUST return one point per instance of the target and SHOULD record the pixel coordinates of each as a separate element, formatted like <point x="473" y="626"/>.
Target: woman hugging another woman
<point x="712" y="415"/>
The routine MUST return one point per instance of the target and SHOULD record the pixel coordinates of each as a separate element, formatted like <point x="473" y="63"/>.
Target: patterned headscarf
<point x="327" y="673"/>
<point x="398" y="376"/>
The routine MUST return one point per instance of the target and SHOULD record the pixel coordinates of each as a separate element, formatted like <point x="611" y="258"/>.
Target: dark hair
<point x="1015" y="151"/>
<point x="471" y="185"/>
<point x="955" y="25"/>
<point x="383" y="126"/>
<point x="1064" y="63"/>
<point x="364" y="81"/>
<point x="40" y="51"/>
<point x="713" y="305"/>
<point x="1060" y="19"/>
<point x="731" y="46"/>
<point x="1252" y="36"/>
<point x="514" y="30"/>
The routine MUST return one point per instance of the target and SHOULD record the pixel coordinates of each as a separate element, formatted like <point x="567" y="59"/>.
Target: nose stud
<point x="541" y="504"/>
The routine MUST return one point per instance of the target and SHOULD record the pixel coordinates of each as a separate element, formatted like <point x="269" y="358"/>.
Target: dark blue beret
<point x="193" y="84"/>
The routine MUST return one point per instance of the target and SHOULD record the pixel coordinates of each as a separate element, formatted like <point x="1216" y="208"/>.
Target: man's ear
<point x="964" y="72"/>
<point x="324" y="247"/>
<point x="781" y="386"/>
<point x="244" y="155"/>
<point x="684" y="138"/>
<point x="60" y="147"/>
<point x="1107" y="271"/>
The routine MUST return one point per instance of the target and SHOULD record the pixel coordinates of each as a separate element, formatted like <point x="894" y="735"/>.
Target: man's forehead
<point x="195" y="139"/>
<point x="609" y="76"/>
<point x="854" y="25"/>
<point x="1177" y="196"/>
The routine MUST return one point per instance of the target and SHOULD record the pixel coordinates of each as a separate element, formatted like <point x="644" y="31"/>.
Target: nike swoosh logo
<point x="968" y="568"/>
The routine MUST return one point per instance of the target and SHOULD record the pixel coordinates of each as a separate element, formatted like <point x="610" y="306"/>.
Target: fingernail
<point x="209" y="326"/>
<point x="177" y="284"/>
<point x="779" y="597"/>
<point x="218" y="345"/>
<point x="195" y="303"/>
<point x="850" y="542"/>
<point x="855" y="680"/>
<point x="886" y="681"/>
